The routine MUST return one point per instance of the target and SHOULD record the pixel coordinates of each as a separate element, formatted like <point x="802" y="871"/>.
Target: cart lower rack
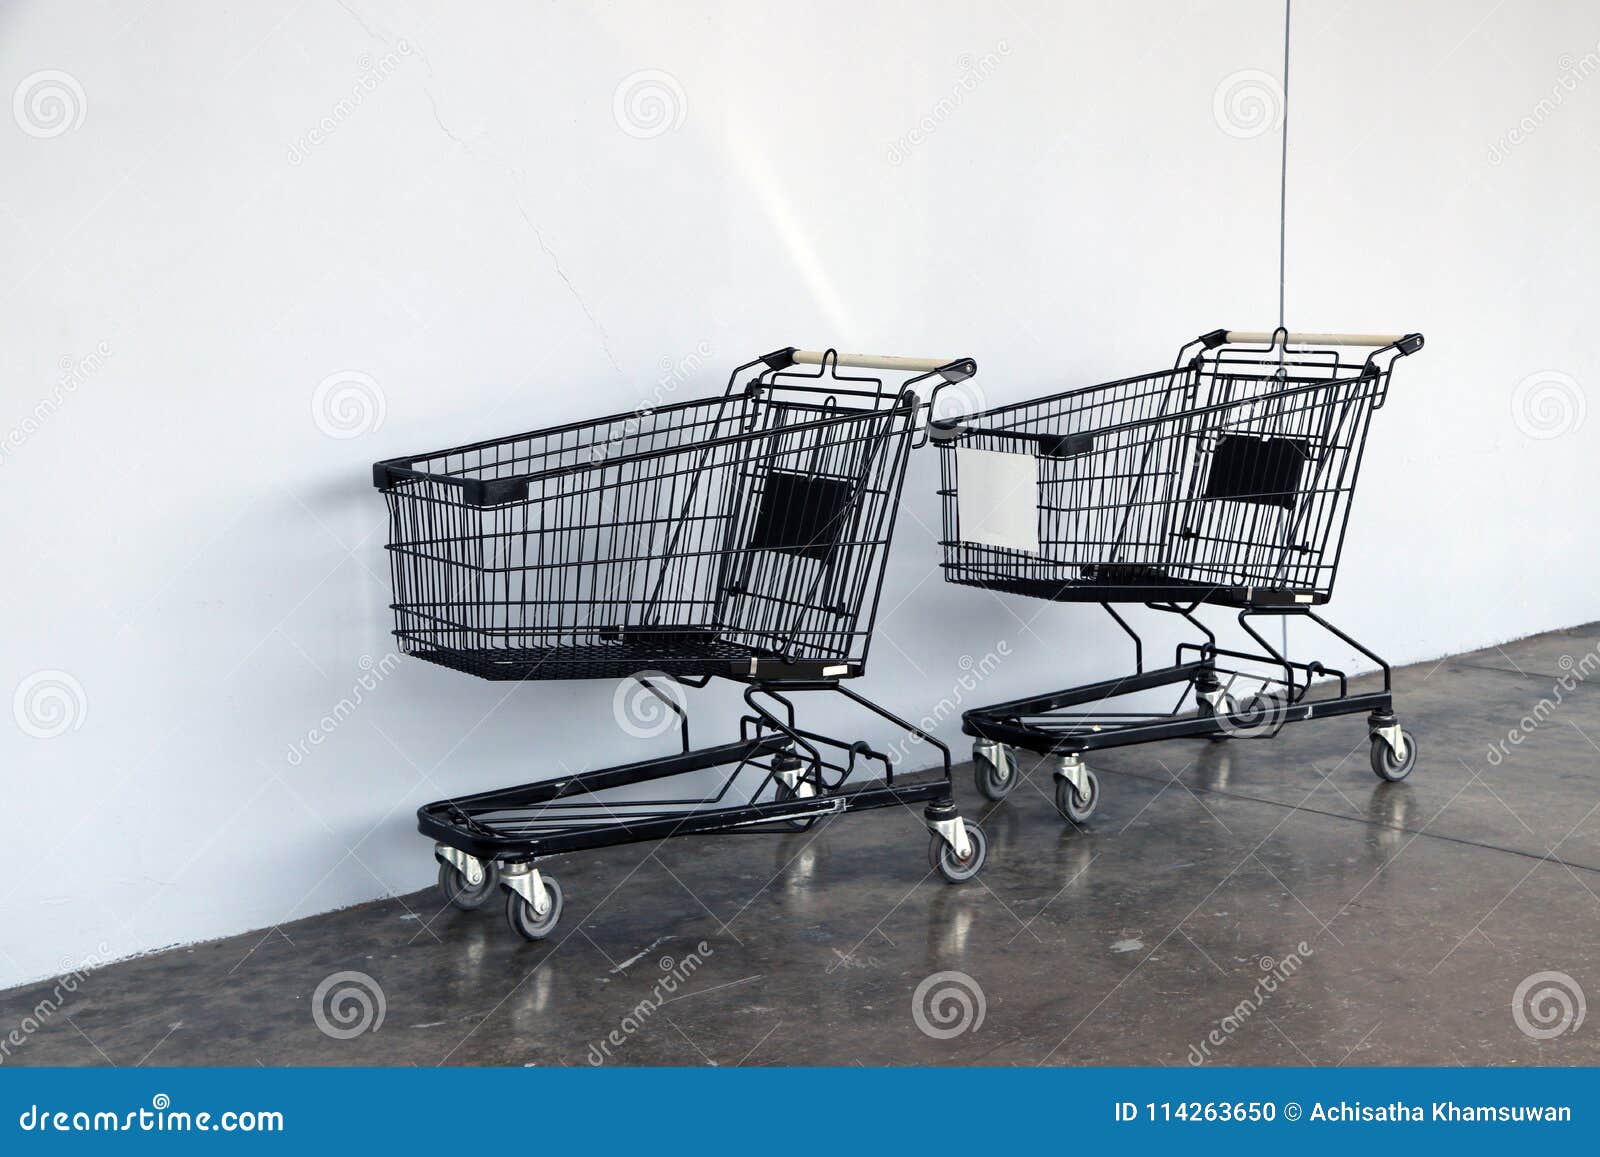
<point x="1225" y="480"/>
<point x="741" y="536"/>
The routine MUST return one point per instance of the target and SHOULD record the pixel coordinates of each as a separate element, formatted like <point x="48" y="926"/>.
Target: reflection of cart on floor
<point x="1225" y="480"/>
<point x="741" y="536"/>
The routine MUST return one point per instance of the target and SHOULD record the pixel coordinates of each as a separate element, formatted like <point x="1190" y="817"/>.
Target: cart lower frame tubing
<point x="457" y="822"/>
<point x="1008" y="722"/>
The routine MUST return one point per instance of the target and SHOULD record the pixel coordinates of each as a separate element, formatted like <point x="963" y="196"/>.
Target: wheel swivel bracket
<point x="1391" y="734"/>
<point x="1072" y="769"/>
<point x="995" y="754"/>
<point x="952" y="831"/>
<point x="470" y="867"/>
<point x="525" y="881"/>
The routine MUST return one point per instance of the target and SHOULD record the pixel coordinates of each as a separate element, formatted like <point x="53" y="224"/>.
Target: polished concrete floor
<point x="1260" y="902"/>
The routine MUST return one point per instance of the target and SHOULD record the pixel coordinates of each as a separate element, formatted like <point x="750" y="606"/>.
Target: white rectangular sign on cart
<point x="998" y="499"/>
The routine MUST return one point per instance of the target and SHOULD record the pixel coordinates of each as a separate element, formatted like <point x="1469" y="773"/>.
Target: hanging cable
<point x="1283" y="226"/>
<point x="1283" y="168"/>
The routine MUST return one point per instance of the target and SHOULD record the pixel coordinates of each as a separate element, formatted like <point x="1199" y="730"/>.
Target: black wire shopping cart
<point x="1227" y="479"/>
<point x="741" y="536"/>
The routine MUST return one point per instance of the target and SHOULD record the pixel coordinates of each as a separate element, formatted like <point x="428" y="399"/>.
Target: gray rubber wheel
<point x="454" y="888"/>
<point x="943" y="860"/>
<point x="1073" y="805"/>
<point x="1385" y="766"/>
<point x="525" y="922"/>
<point x="994" y="783"/>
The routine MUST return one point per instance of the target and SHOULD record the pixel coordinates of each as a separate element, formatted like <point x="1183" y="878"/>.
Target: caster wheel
<point x="943" y="860"/>
<point x="1385" y="766"/>
<point x="528" y="924"/>
<point x="454" y="888"/>
<point x="994" y="782"/>
<point x="787" y="794"/>
<point x="1073" y="805"/>
<point x="1230" y="707"/>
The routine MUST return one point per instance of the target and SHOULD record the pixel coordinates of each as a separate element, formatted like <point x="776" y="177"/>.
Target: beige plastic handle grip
<point x="874" y="361"/>
<point x="1255" y="337"/>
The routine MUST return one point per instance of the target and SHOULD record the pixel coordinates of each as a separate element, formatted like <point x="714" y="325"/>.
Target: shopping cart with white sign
<point x="1225" y="480"/>
<point x="740" y="536"/>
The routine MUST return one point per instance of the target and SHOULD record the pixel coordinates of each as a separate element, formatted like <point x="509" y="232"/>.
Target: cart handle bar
<point x="1408" y="342"/>
<point x="954" y="369"/>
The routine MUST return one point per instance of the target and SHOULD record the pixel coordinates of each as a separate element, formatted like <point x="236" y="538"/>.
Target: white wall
<point x="480" y="235"/>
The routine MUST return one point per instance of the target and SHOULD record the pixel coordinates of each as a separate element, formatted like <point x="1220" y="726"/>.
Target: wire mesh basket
<point x="738" y="535"/>
<point x="1225" y="479"/>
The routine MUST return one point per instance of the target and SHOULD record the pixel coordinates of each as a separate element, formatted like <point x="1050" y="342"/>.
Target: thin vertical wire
<point x="1283" y="222"/>
<point x="1283" y="169"/>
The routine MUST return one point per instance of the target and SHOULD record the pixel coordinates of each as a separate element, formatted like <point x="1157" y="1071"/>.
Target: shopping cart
<point x="740" y="536"/>
<point x="1226" y="480"/>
